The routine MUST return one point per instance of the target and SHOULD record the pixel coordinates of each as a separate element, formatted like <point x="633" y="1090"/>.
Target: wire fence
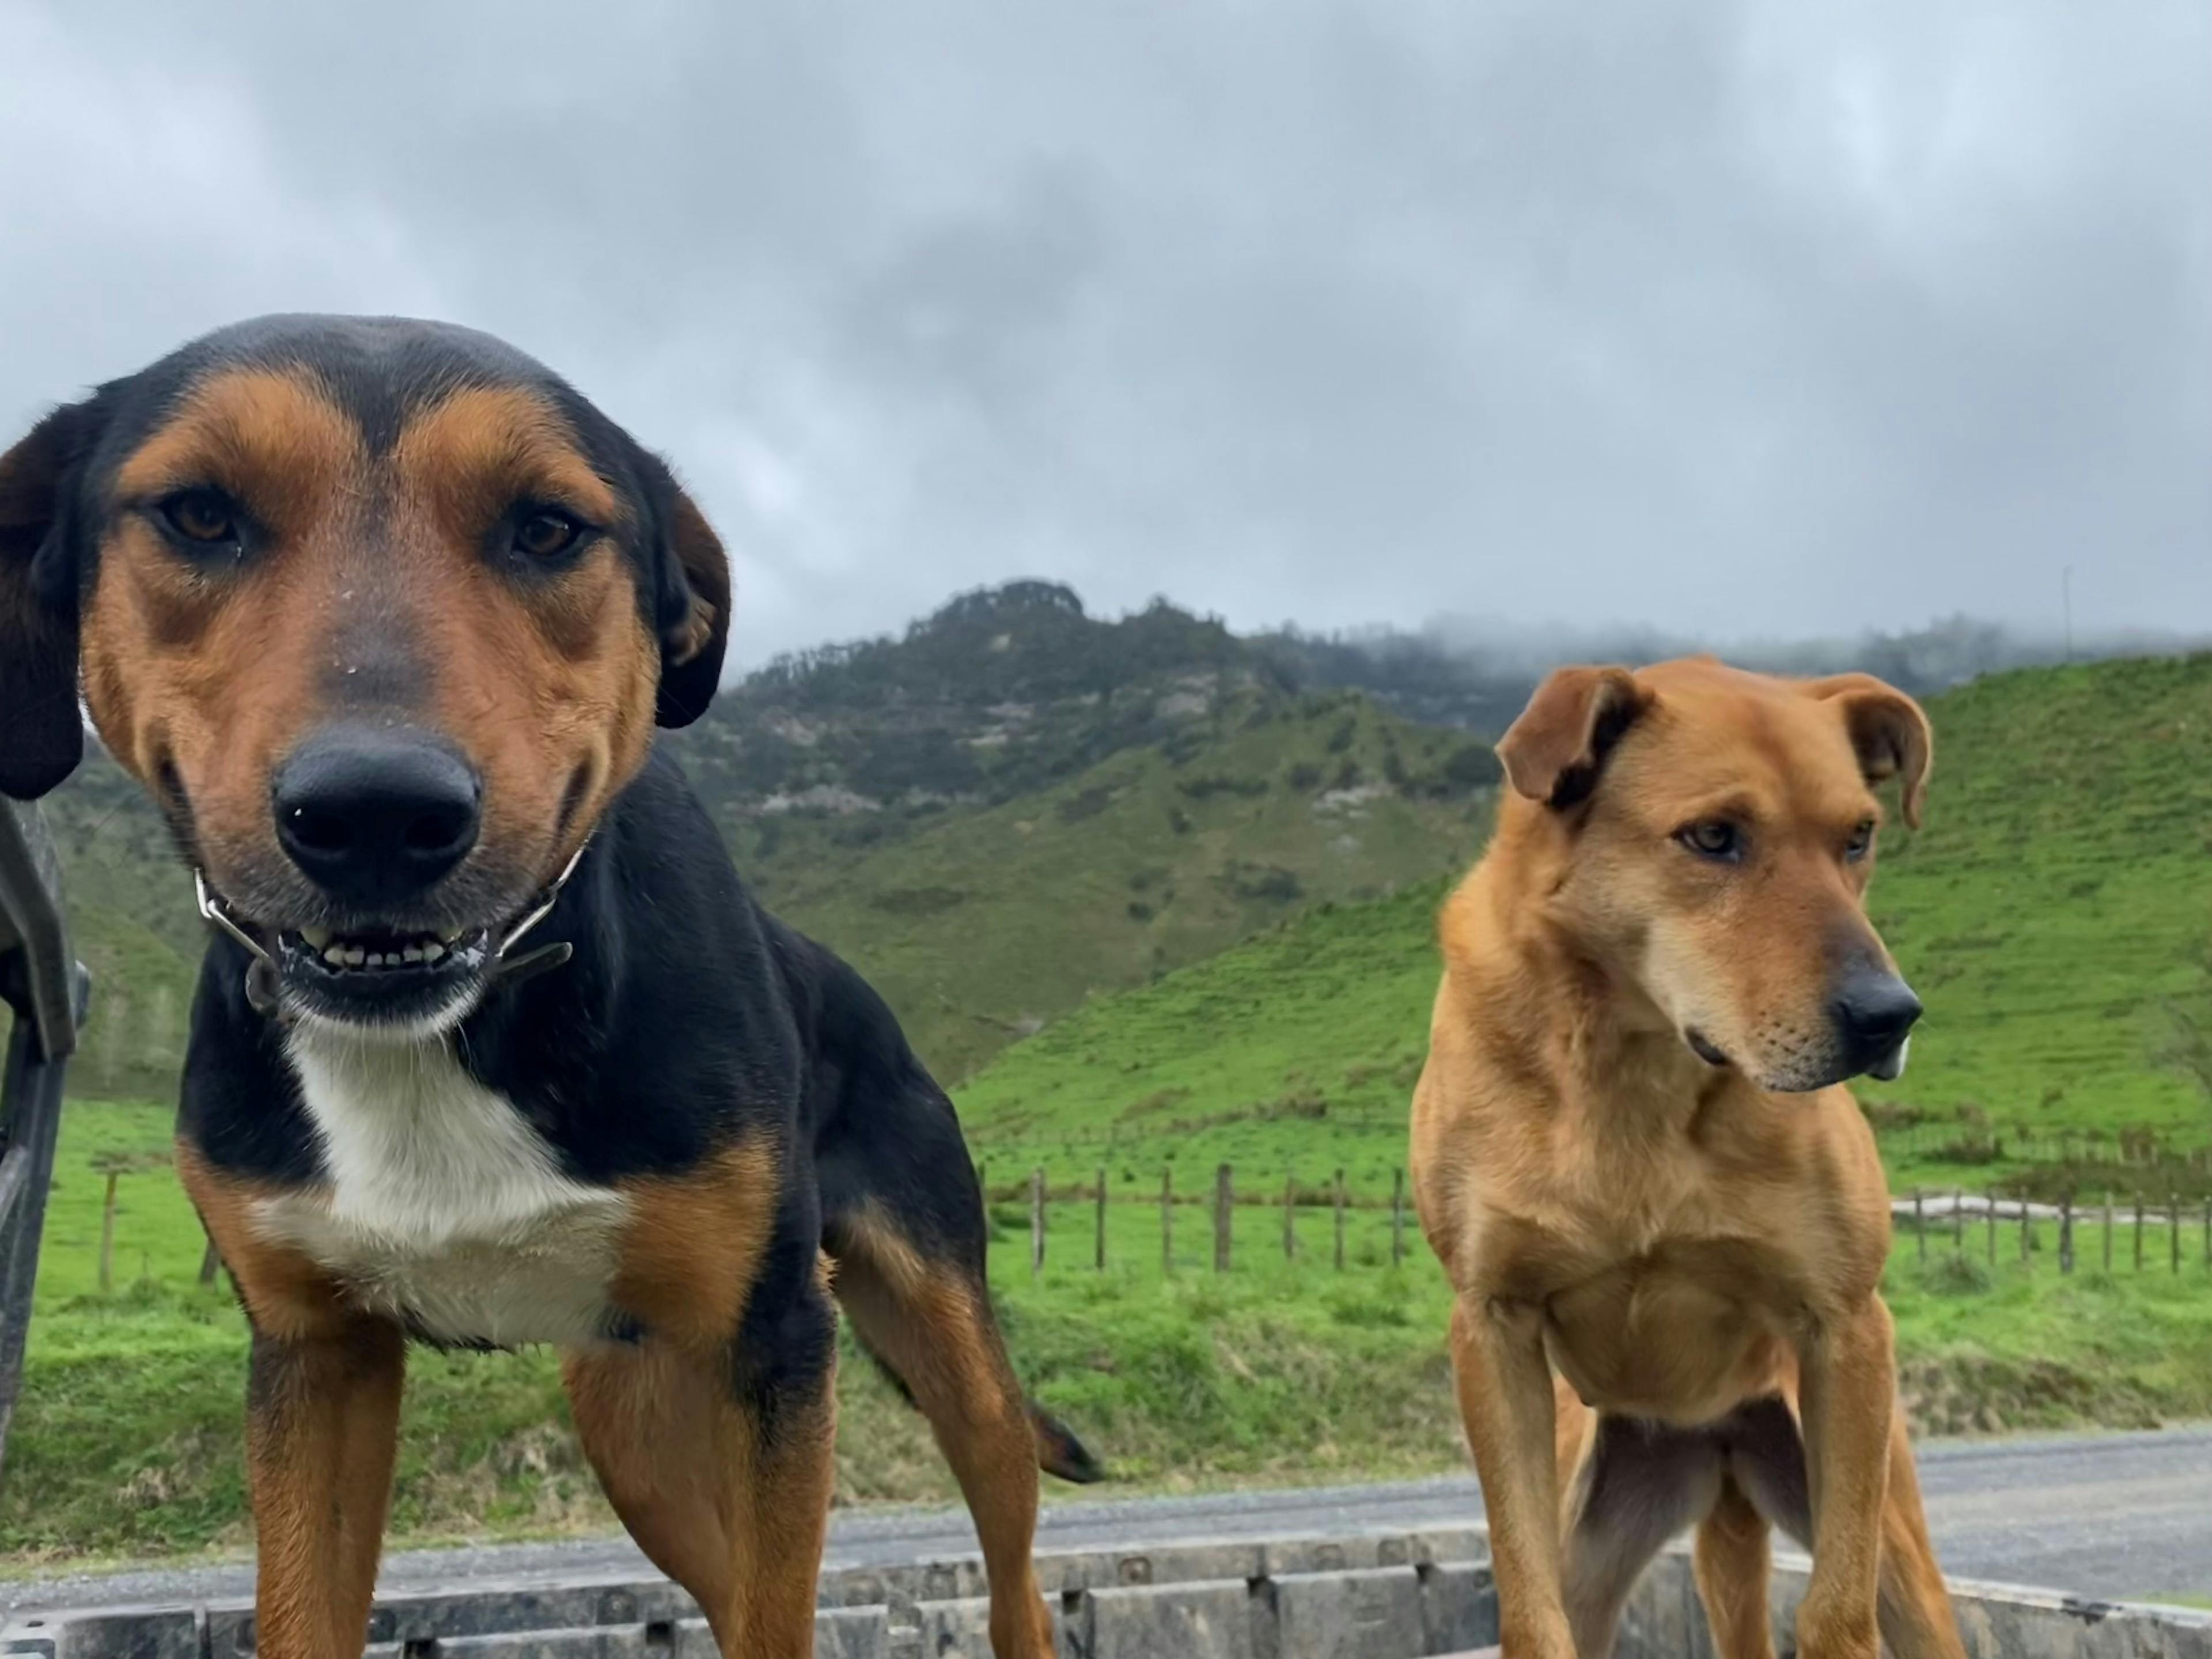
<point x="2115" y="1231"/>
<point x="1227" y="1224"/>
<point x="1216" y="1208"/>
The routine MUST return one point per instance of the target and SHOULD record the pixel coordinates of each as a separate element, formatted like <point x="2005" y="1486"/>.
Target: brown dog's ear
<point x="41" y="735"/>
<point x="1551" y="754"/>
<point x="691" y="580"/>
<point x="1889" y="731"/>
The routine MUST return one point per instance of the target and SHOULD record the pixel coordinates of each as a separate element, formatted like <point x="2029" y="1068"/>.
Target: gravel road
<point x="2121" y="1516"/>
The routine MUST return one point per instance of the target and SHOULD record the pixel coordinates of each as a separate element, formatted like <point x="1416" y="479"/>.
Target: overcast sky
<point x="1777" y="318"/>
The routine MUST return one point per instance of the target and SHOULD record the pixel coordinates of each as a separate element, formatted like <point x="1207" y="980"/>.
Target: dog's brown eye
<point x="546" y="535"/>
<point x="1861" y="843"/>
<point x="204" y="516"/>
<point x="1716" y="838"/>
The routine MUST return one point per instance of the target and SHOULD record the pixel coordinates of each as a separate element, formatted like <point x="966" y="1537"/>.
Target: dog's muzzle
<point x="372" y="978"/>
<point x="1890" y="1066"/>
<point x="1873" y="1013"/>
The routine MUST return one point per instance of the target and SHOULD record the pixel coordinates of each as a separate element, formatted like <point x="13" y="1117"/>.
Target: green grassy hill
<point x="983" y="927"/>
<point x="1011" y="806"/>
<point x="1015" y="806"/>
<point x="980" y="922"/>
<point x="1293" y="1053"/>
<point x="2059" y="895"/>
<point x="2054" y="904"/>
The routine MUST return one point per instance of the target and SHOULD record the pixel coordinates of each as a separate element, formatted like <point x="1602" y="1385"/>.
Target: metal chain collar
<point x="506" y="968"/>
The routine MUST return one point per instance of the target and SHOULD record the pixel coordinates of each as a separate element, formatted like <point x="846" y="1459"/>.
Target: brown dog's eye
<point x="1716" y="838"/>
<point x="545" y="534"/>
<point x="1861" y="843"/>
<point x="202" y="517"/>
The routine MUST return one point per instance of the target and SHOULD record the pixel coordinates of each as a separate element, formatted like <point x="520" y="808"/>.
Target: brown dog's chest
<point x="1680" y="1335"/>
<point x="1663" y="1294"/>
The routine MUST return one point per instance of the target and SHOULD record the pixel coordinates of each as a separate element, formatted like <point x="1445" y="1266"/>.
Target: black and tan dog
<point x="495" y="1048"/>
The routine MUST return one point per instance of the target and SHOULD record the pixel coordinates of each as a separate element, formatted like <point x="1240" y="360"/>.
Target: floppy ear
<point x="691" y="604"/>
<point x="1889" y="731"/>
<point x="1553" y="752"/>
<point x="41" y="736"/>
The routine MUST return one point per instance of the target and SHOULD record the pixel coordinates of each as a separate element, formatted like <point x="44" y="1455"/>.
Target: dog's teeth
<point x="355" y="956"/>
<point x="317" y="937"/>
<point x="453" y="935"/>
<point x="335" y="955"/>
<point x="433" y="950"/>
<point x="412" y="953"/>
<point x="376" y="958"/>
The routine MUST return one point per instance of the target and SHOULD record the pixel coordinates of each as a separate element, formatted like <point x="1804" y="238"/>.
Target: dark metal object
<point x="46" y="988"/>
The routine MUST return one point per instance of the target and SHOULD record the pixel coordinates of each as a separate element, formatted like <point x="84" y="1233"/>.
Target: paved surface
<point x="2122" y="1516"/>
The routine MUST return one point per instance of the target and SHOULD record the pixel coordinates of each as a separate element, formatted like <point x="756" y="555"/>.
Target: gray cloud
<point x="1756" y="320"/>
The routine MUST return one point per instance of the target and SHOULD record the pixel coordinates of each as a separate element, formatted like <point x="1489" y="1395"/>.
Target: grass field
<point x="127" y="1440"/>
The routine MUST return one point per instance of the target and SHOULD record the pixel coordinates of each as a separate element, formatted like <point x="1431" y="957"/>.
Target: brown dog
<point x="1634" y="1154"/>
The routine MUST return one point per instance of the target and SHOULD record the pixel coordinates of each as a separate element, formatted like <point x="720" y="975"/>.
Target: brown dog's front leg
<point x="1917" y="1620"/>
<point x="1505" y="1398"/>
<point x="322" y="1416"/>
<point x="1847" y="1399"/>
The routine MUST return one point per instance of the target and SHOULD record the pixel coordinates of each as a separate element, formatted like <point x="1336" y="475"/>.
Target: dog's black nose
<point x="1874" y="1011"/>
<point x="375" y="818"/>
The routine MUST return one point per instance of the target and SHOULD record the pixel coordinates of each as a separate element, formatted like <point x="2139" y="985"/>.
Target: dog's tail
<point x="1059" y="1451"/>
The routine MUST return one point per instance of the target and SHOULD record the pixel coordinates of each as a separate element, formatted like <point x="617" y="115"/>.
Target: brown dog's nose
<point x="375" y="818"/>
<point x="1873" y="1010"/>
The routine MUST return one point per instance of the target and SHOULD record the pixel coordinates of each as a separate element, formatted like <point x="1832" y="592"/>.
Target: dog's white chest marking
<point x="444" y="1209"/>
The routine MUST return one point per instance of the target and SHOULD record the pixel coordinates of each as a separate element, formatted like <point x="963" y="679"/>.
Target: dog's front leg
<point x="722" y="1474"/>
<point x="1505" y="1397"/>
<point x="322" y="1416"/>
<point x="1848" y="1397"/>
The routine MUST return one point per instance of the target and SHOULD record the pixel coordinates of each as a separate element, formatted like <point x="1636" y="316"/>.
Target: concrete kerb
<point x="1382" y="1596"/>
<point x="1998" y="1621"/>
<point x="1187" y="1601"/>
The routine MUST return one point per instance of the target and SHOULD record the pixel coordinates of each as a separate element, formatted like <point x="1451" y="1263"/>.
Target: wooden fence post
<point x="2139" y="1242"/>
<point x="1990" y="1214"/>
<point x="1339" y="1221"/>
<point x="2025" y="1235"/>
<point x="1101" y="1221"/>
<point x="208" y="1262"/>
<point x="1223" y="1195"/>
<point x="1920" y="1224"/>
<point x="1036" y="1223"/>
<point x="2108" y="1230"/>
<point x="1166" y="1220"/>
<point x="1958" y="1221"/>
<point x="107" y="1235"/>
<point x="1397" y="1218"/>
<point x="2066" y="1233"/>
<point x="1290" y="1217"/>
<point x="2173" y="1218"/>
